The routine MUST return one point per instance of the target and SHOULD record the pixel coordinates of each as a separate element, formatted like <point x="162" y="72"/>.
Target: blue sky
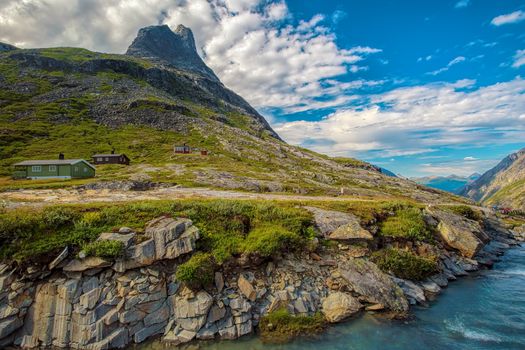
<point x="418" y="87"/>
<point x="419" y="40"/>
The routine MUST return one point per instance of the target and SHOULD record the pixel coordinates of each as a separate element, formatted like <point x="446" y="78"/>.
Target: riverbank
<point x="167" y="279"/>
<point x="494" y="319"/>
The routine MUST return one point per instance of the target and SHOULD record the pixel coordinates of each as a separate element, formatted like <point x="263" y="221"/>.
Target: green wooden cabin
<point x="53" y="169"/>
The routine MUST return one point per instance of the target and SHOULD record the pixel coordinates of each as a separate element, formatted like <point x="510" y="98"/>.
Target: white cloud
<point x="462" y="3"/>
<point x="470" y="159"/>
<point x="519" y="59"/>
<point x="254" y="46"/>
<point x="455" y="61"/>
<point x="514" y="17"/>
<point x="417" y="120"/>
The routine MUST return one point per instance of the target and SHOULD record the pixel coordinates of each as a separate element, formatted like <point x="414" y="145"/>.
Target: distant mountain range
<point x="451" y="183"/>
<point x="503" y="185"/>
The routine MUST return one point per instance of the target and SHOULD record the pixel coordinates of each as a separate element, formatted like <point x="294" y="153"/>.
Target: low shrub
<point x="104" y="249"/>
<point x="407" y="223"/>
<point x="280" y="325"/>
<point x="404" y="264"/>
<point x="198" y="271"/>
<point x="269" y="239"/>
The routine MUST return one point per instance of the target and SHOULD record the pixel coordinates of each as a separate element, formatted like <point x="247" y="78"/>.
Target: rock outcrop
<point x="459" y="233"/>
<point x="376" y="287"/>
<point x="94" y="303"/>
<point x="339" y="226"/>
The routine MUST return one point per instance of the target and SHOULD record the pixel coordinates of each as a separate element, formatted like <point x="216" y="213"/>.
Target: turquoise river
<point x="485" y="310"/>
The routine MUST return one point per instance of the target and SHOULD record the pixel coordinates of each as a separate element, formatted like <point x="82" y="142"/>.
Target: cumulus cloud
<point x="417" y="120"/>
<point x="470" y="159"/>
<point x="514" y="17"/>
<point x="254" y="46"/>
<point x="519" y="59"/>
<point x="455" y="61"/>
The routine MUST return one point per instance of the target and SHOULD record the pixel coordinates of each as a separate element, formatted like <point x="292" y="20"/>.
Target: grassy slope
<point x="41" y="116"/>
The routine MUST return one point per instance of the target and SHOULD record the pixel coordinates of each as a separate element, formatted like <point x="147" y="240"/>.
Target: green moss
<point x="404" y="264"/>
<point x="280" y="325"/>
<point x="104" y="249"/>
<point x="406" y="223"/>
<point x="198" y="271"/>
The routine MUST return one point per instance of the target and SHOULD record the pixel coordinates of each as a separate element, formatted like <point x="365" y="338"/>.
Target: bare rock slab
<point x="338" y="225"/>
<point x="366" y="279"/>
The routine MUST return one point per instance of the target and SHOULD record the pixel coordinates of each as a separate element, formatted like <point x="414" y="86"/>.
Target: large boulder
<point x="339" y="306"/>
<point x="339" y="226"/>
<point x="458" y="232"/>
<point x="376" y="287"/>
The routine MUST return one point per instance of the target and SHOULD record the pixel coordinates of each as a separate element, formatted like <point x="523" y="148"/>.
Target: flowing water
<point x="483" y="311"/>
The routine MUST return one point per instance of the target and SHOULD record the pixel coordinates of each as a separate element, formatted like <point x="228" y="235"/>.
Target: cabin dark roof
<point x="53" y="162"/>
<point x="109" y="155"/>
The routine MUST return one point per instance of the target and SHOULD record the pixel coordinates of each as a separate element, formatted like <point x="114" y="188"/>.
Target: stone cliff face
<point x="93" y="303"/>
<point x="176" y="49"/>
<point x="503" y="184"/>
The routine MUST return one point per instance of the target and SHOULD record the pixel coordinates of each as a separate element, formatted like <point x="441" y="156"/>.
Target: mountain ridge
<point x="503" y="185"/>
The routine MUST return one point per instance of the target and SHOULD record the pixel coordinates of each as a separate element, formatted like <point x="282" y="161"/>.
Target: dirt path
<point x="57" y="196"/>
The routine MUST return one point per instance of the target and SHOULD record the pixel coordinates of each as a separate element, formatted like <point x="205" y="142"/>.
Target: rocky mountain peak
<point x="172" y="48"/>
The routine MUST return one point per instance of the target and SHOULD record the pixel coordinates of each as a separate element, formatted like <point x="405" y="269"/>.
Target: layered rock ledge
<point x="93" y="303"/>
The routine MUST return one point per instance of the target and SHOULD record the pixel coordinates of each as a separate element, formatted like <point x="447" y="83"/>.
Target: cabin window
<point x="52" y="168"/>
<point x="76" y="169"/>
<point x="99" y="159"/>
<point x="85" y="170"/>
<point x="107" y="159"/>
<point x="36" y="168"/>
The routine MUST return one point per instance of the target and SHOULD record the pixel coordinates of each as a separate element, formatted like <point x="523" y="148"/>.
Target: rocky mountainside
<point x="502" y="185"/>
<point x="161" y="94"/>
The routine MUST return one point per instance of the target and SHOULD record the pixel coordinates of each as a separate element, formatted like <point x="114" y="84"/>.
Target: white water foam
<point x="456" y="326"/>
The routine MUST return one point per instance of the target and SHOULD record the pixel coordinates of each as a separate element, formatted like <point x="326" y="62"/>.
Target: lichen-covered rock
<point x="458" y="232"/>
<point x="366" y="279"/>
<point x="339" y="226"/>
<point x="339" y="306"/>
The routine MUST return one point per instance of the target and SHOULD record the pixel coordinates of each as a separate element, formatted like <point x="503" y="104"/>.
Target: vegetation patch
<point x="404" y="264"/>
<point x="104" y="249"/>
<point x="198" y="271"/>
<point x="406" y="223"/>
<point x="228" y="228"/>
<point x="463" y="210"/>
<point x="281" y="326"/>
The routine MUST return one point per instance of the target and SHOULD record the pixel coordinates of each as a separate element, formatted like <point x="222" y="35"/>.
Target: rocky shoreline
<point x="92" y="303"/>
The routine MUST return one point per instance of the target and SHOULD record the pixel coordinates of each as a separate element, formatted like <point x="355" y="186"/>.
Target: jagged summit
<point x="174" y="48"/>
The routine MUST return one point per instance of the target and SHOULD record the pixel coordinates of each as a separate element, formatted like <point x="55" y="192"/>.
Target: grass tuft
<point x="404" y="264"/>
<point x="281" y="326"/>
